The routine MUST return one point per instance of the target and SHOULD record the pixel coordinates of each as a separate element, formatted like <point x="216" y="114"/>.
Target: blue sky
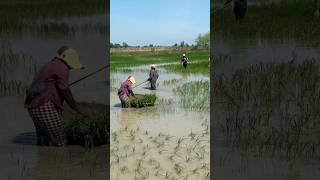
<point x="158" y="22"/>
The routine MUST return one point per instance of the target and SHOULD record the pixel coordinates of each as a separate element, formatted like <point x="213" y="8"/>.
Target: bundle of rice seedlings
<point x="91" y="131"/>
<point x="143" y="100"/>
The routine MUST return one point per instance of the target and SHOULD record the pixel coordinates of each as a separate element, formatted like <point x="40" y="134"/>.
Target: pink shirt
<point x="125" y="89"/>
<point x="55" y="75"/>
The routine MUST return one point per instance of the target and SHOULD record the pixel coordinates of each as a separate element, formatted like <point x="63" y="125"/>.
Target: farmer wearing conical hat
<point x="125" y="91"/>
<point x="46" y="95"/>
<point x="184" y="61"/>
<point x="153" y="76"/>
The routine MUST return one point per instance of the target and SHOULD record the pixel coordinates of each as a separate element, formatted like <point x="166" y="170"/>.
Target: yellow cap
<point x="131" y="79"/>
<point x="70" y="56"/>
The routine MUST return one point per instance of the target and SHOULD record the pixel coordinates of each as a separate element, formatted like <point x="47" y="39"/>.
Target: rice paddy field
<point x="170" y="140"/>
<point x="31" y="32"/>
<point x="265" y="86"/>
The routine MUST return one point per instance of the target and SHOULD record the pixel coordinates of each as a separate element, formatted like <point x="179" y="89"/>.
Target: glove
<point x="149" y="79"/>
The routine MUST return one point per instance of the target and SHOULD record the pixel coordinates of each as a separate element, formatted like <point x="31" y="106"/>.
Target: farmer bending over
<point x="125" y="91"/>
<point x="45" y="96"/>
<point x="184" y="61"/>
<point x="153" y="76"/>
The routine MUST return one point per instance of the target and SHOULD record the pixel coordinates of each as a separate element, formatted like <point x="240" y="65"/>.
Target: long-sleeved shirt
<point x="184" y="60"/>
<point x="55" y="76"/>
<point x="125" y="89"/>
<point x="153" y="75"/>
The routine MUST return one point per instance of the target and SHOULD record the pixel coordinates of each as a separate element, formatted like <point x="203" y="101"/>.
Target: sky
<point x="158" y="22"/>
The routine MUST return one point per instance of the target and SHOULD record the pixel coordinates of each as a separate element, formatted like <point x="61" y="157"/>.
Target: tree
<point x="203" y="40"/>
<point x="117" y="45"/>
<point x="125" y="45"/>
<point x="175" y="45"/>
<point x="182" y="44"/>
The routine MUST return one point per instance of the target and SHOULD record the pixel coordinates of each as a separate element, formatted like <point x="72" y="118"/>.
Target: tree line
<point x="201" y="42"/>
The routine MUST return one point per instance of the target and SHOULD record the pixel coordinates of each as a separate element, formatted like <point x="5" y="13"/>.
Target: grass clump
<point x="129" y="59"/>
<point x="283" y="20"/>
<point x="194" y="95"/>
<point x="91" y="131"/>
<point x="195" y="68"/>
<point x="271" y="108"/>
<point x="140" y="100"/>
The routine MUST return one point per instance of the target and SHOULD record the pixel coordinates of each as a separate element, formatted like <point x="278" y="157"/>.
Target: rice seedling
<point x="122" y="60"/>
<point x="283" y="20"/>
<point x="194" y="95"/>
<point x="271" y="108"/>
<point x="15" y="20"/>
<point x="91" y="131"/>
<point x="11" y="64"/>
<point x="148" y="163"/>
<point x="170" y="82"/>
<point x="201" y="67"/>
<point x="140" y="101"/>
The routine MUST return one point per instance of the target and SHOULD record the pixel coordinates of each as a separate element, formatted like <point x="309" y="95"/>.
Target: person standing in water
<point x="45" y="97"/>
<point x="125" y="91"/>
<point x="184" y="61"/>
<point x="153" y="76"/>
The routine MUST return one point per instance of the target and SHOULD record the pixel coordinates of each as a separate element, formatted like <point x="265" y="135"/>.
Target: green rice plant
<point x="170" y="82"/>
<point x="16" y="20"/>
<point x="283" y="20"/>
<point x="272" y="108"/>
<point x="201" y="67"/>
<point x="119" y="60"/>
<point x="194" y="95"/>
<point x="11" y="64"/>
<point x="140" y="101"/>
<point x="91" y="131"/>
<point x="153" y="162"/>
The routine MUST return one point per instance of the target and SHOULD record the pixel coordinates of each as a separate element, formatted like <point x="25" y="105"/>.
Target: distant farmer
<point x="46" y="94"/>
<point x="240" y="9"/>
<point x="125" y="91"/>
<point x="184" y="61"/>
<point x="153" y="76"/>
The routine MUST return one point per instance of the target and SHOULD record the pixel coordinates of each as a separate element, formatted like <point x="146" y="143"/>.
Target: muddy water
<point x="169" y="119"/>
<point x="247" y="52"/>
<point x="22" y="158"/>
<point x="145" y="141"/>
<point x="229" y="163"/>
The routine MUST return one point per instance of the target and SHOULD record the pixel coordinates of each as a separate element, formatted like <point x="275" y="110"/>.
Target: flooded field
<point x="168" y="140"/>
<point x="265" y="102"/>
<point x="29" y="41"/>
<point x="265" y="84"/>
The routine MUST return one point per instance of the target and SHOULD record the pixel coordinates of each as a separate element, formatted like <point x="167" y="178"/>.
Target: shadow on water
<point x="118" y="105"/>
<point x="27" y="138"/>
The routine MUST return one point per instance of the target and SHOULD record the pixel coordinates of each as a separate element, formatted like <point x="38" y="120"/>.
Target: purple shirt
<point x="125" y="89"/>
<point x="55" y="75"/>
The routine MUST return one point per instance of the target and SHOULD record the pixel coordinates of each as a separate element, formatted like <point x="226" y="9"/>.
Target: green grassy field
<point x="130" y="59"/>
<point x="194" y="68"/>
<point x="24" y="15"/>
<point x="287" y="19"/>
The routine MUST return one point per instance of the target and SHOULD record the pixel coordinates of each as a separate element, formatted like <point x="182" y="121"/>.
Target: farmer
<point x="46" y="94"/>
<point x="153" y="76"/>
<point x="184" y="61"/>
<point x="125" y="91"/>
